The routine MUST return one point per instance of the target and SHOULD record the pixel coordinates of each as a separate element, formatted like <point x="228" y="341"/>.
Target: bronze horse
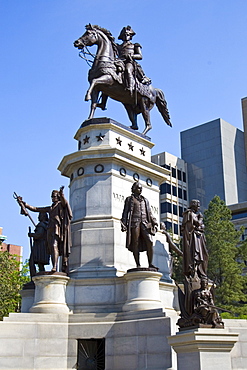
<point x="106" y="76"/>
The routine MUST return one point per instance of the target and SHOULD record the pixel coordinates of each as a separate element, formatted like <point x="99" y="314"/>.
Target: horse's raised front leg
<point x="94" y="99"/>
<point x="102" y="80"/>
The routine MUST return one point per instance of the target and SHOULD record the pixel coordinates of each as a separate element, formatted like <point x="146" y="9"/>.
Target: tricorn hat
<point x="121" y="36"/>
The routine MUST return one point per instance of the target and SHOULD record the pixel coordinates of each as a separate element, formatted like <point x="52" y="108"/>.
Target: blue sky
<point x="194" y="50"/>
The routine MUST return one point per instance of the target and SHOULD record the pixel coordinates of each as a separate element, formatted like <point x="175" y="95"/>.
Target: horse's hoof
<point x="101" y="106"/>
<point x="87" y="97"/>
<point x="147" y="129"/>
<point x="134" y="127"/>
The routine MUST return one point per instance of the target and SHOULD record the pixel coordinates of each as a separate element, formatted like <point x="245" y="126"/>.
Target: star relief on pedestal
<point x="100" y="137"/>
<point x="142" y="151"/>
<point x="86" y="139"/>
<point x="119" y="141"/>
<point x="131" y="146"/>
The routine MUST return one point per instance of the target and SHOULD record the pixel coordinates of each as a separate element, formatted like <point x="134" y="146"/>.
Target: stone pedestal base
<point x="142" y="290"/>
<point x="50" y="293"/>
<point x="27" y="299"/>
<point x="203" y="349"/>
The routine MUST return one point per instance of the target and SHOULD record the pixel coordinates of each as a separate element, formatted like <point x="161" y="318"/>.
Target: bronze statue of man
<point x="129" y="53"/>
<point x="138" y="221"/>
<point x="58" y="230"/>
<point x="195" y="254"/>
<point x="39" y="252"/>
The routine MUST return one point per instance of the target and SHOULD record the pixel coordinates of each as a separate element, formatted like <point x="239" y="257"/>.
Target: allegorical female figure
<point x="195" y="254"/>
<point x="204" y="306"/>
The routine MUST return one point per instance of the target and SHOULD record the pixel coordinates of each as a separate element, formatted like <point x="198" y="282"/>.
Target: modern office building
<point x="239" y="216"/>
<point x="216" y="162"/>
<point x="239" y="219"/>
<point x="173" y="192"/>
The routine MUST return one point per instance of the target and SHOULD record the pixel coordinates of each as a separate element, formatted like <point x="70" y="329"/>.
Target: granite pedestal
<point x="203" y="349"/>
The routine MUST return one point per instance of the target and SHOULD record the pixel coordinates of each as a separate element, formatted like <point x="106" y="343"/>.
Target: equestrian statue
<point x="116" y="74"/>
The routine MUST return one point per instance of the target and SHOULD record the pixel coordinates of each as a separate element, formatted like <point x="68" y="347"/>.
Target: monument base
<point x="27" y="296"/>
<point x="50" y="293"/>
<point x="142" y="290"/>
<point x="203" y="349"/>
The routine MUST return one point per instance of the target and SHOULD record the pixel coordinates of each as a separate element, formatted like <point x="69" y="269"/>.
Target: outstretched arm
<point x="62" y="197"/>
<point x="37" y="209"/>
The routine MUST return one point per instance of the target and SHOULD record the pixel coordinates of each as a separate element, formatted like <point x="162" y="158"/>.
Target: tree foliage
<point x="226" y="254"/>
<point x="11" y="282"/>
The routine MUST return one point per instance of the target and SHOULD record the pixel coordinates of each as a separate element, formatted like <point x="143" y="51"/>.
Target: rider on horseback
<point x="128" y="53"/>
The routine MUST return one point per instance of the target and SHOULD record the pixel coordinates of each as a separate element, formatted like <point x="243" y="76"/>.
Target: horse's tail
<point x="162" y="106"/>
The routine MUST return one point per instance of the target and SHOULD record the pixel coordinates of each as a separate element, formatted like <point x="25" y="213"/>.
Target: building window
<point x="166" y="166"/>
<point x="185" y="195"/>
<point x="244" y="235"/>
<point x="175" y="228"/>
<point x="166" y="207"/>
<point x="179" y="175"/>
<point x="175" y="209"/>
<point x="168" y="225"/>
<point x="174" y="191"/>
<point x="165" y="188"/>
<point x="174" y="172"/>
<point x="184" y="177"/>
<point x="91" y="354"/>
<point x="180" y="193"/>
<point x="236" y="216"/>
<point x="180" y="210"/>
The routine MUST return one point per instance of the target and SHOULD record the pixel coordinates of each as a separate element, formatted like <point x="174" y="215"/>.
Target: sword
<point x="219" y="308"/>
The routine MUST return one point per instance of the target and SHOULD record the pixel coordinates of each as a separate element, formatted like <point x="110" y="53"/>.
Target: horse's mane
<point x="107" y="33"/>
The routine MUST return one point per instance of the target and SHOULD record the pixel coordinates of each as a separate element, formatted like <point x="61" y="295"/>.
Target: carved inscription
<point x="118" y="197"/>
<point x="154" y="209"/>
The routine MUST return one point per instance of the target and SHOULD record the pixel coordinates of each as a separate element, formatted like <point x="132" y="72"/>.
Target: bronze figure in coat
<point x="139" y="223"/>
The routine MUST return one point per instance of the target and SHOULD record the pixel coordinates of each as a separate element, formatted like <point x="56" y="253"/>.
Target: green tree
<point x="11" y="282"/>
<point x="226" y="255"/>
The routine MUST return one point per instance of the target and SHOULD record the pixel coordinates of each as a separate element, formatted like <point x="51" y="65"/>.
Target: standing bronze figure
<point x="39" y="251"/>
<point x="139" y="223"/>
<point x="195" y="254"/>
<point x="115" y="73"/>
<point x="196" y="302"/>
<point x="58" y="229"/>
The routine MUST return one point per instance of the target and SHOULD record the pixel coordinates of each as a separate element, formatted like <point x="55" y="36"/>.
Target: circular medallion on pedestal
<point x="80" y="171"/>
<point x="122" y="172"/>
<point x="136" y="176"/>
<point x="99" y="168"/>
<point x="149" y="182"/>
